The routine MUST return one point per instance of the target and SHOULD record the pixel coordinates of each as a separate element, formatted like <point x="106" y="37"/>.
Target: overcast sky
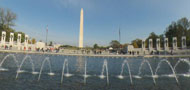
<point x="102" y="18"/>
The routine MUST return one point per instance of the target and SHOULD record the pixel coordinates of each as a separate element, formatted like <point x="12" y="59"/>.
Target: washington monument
<point x="81" y="29"/>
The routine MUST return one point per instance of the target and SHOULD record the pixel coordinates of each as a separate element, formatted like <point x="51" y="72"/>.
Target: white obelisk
<point x="81" y="29"/>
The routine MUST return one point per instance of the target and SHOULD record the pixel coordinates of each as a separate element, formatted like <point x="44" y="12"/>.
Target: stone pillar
<point x="81" y="29"/>
<point x="3" y="38"/>
<point x="158" y="44"/>
<point x="19" y="41"/>
<point x="11" y="40"/>
<point x="183" y="42"/>
<point x="174" y="43"/>
<point x="150" y="45"/>
<point x="143" y="45"/>
<point x="166" y="47"/>
<point x="26" y="42"/>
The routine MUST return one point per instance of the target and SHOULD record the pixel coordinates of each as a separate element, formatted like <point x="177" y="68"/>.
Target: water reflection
<point x="80" y="62"/>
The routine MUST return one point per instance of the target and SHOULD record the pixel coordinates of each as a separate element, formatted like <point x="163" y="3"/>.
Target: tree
<point x="95" y="46"/>
<point x="51" y="43"/>
<point x="161" y="40"/>
<point x="7" y="18"/>
<point x="22" y="36"/>
<point x="2" y="17"/>
<point x="115" y="44"/>
<point x="137" y="43"/>
<point x="184" y="23"/>
<point x="175" y="29"/>
<point x="125" y="45"/>
<point x="10" y="18"/>
<point x="68" y="47"/>
<point x="152" y="36"/>
<point x="33" y="40"/>
<point x="103" y="47"/>
<point x="29" y="41"/>
<point x="178" y="29"/>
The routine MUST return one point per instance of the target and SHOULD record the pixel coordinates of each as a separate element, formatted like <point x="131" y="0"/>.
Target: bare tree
<point x="7" y="17"/>
<point x="2" y="16"/>
<point x="10" y="18"/>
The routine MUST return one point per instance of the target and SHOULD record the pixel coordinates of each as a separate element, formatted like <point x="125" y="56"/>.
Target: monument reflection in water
<point x="39" y="71"/>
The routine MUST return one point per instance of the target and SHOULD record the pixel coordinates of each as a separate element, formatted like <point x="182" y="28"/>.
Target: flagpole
<point x="119" y="36"/>
<point x="46" y="34"/>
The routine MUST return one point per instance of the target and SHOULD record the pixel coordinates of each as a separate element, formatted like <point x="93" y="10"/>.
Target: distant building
<point x="56" y="45"/>
<point x="130" y="48"/>
<point x="40" y="45"/>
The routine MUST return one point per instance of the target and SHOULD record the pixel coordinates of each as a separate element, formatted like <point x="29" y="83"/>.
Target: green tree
<point x="7" y="20"/>
<point x="51" y="43"/>
<point x="125" y="45"/>
<point x="33" y="40"/>
<point x="115" y="44"/>
<point x="137" y="43"/>
<point x="178" y="29"/>
<point x="152" y="36"/>
<point x="69" y="47"/>
<point x="103" y="47"/>
<point x="161" y="40"/>
<point x="175" y="29"/>
<point x="22" y="36"/>
<point x="95" y="46"/>
<point x="29" y="41"/>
